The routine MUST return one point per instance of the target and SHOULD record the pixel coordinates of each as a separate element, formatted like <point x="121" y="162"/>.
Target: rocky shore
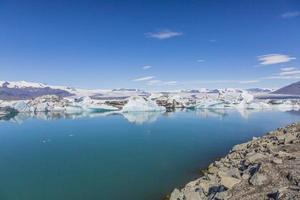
<point x="264" y="168"/>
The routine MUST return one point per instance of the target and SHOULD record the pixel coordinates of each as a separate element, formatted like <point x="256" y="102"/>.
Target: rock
<point x="214" y="190"/>
<point x="212" y="178"/>
<point x="282" y="154"/>
<point x="245" y="176"/>
<point x="205" y="185"/>
<point x="240" y="147"/>
<point x="289" y="138"/>
<point x="255" y="157"/>
<point x="294" y="178"/>
<point x="281" y="139"/>
<point x="253" y="169"/>
<point x="277" y="161"/>
<point x="221" y="196"/>
<point x="176" y="195"/>
<point x="273" y="195"/>
<point x="234" y="172"/>
<point x="213" y="170"/>
<point x="229" y="181"/>
<point x="258" y="179"/>
<point x="193" y="196"/>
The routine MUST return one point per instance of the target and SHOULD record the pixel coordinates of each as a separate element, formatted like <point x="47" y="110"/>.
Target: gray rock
<point x="258" y="179"/>
<point x="289" y="138"/>
<point x="221" y="196"/>
<point x="246" y="176"/>
<point x="277" y="161"/>
<point x="194" y="196"/>
<point x="176" y="195"/>
<point x="234" y="172"/>
<point x="229" y="182"/>
<point x="255" y="157"/>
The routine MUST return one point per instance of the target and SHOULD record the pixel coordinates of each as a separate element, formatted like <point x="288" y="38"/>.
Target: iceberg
<point x="139" y="104"/>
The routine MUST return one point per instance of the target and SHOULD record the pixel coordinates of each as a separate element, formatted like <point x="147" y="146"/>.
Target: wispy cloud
<point x="161" y="83"/>
<point x="200" y="60"/>
<point x="281" y="77"/>
<point x="271" y="59"/>
<point x="145" y="78"/>
<point x="290" y="73"/>
<point x="221" y="81"/>
<point x="164" y="34"/>
<point x="291" y="14"/>
<point x="153" y="82"/>
<point x="249" y="81"/>
<point x="212" y="40"/>
<point x="170" y="83"/>
<point x="145" y="67"/>
<point x="285" y="69"/>
<point x="285" y="73"/>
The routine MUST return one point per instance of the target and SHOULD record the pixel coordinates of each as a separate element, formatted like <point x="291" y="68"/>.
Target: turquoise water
<point x="136" y="157"/>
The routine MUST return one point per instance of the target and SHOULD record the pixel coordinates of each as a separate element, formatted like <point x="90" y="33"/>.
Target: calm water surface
<point x="137" y="157"/>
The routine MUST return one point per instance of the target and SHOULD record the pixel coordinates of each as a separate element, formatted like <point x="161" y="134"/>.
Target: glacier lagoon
<point x="134" y="156"/>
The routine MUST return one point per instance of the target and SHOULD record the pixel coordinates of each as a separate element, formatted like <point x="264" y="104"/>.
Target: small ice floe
<point x="47" y="140"/>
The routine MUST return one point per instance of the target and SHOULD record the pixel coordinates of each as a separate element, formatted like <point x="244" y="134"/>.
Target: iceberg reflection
<point x="141" y="117"/>
<point x="137" y="117"/>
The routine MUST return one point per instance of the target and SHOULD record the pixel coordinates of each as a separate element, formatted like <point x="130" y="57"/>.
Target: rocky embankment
<point x="264" y="168"/>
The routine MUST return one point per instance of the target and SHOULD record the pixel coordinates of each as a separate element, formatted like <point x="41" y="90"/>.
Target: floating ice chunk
<point x="248" y="98"/>
<point x="73" y="109"/>
<point x="137" y="103"/>
<point x="22" y="106"/>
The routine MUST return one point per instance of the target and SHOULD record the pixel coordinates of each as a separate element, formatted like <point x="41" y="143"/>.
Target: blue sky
<point x="155" y="44"/>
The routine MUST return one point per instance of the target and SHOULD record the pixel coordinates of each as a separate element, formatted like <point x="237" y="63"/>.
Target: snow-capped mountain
<point x="21" y="84"/>
<point x="21" y="90"/>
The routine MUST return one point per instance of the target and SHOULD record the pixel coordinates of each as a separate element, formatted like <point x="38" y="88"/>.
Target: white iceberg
<point x="139" y="104"/>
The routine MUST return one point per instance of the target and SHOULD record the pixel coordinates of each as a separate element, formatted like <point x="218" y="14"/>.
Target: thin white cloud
<point x="212" y="40"/>
<point x="281" y="77"/>
<point x="221" y="81"/>
<point x="271" y="59"/>
<point x="290" y="73"/>
<point x="145" y="78"/>
<point x="156" y="82"/>
<point x="170" y="83"/>
<point x="200" y="60"/>
<point x="145" y="67"/>
<point x="291" y="14"/>
<point x="153" y="82"/>
<point x="249" y="81"/>
<point x="286" y="69"/>
<point x="164" y="34"/>
<point x="285" y="73"/>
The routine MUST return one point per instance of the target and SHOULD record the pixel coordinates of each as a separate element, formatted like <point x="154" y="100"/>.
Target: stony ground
<point x="264" y="168"/>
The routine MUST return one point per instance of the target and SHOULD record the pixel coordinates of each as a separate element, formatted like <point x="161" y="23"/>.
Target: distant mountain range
<point x="22" y="90"/>
<point x="27" y="90"/>
<point x="260" y="90"/>
<point x="292" y="89"/>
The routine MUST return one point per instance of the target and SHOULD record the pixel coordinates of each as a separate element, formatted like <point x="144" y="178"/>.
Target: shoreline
<point x="267" y="167"/>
